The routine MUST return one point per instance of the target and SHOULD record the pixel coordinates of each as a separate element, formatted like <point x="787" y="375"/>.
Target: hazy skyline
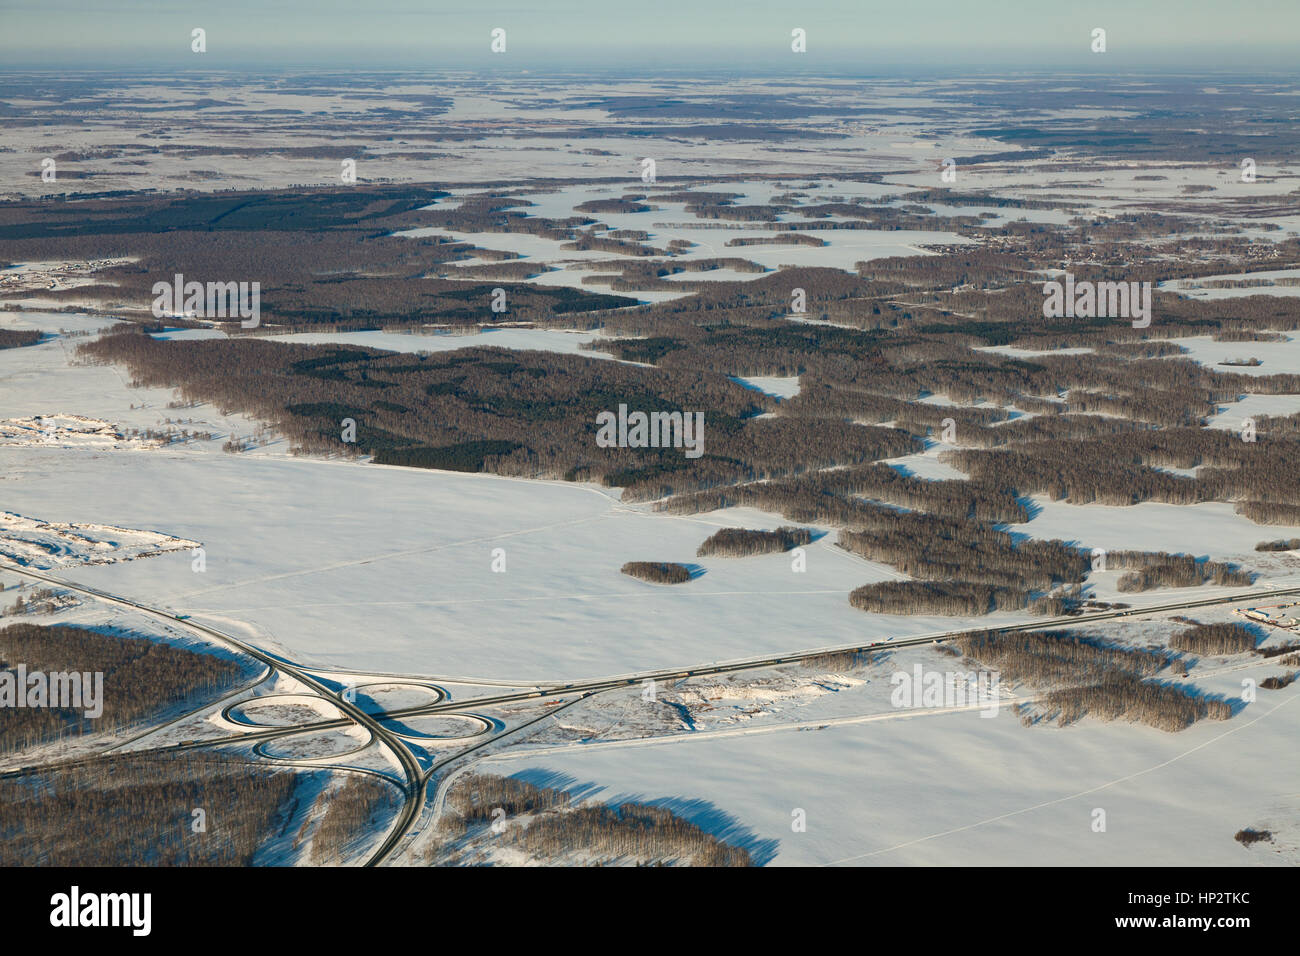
<point x="1162" y="35"/>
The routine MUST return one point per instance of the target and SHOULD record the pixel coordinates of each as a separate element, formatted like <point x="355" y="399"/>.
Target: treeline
<point x="323" y="258"/>
<point x="1282" y="544"/>
<point x="1065" y="599"/>
<point x="840" y="496"/>
<point x="1214" y="639"/>
<point x="1280" y="650"/>
<point x="935" y="549"/>
<point x="546" y="824"/>
<point x="1103" y="681"/>
<point x="1247" y="335"/>
<point x="649" y="275"/>
<point x="1179" y="571"/>
<point x="509" y="412"/>
<point x="475" y="796"/>
<point x="784" y="239"/>
<point x="1165" y="707"/>
<point x="840" y="662"/>
<point x="17" y="338"/>
<point x="142" y="677"/>
<point x="356" y="809"/>
<point x="975" y="573"/>
<point x="659" y="572"/>
<point x="627" y="833"/>
<point x="138" y="810"/>
<point x="625" y="205"/>
<point x="1269" y="512"/>
<point x="963" y="565"/>
<point x="1050" y="658"/>
<point x="880" y="373"/>
<point x="740" y="542"/>
<point x="588" y="241"/>
<point x="1127" y="467"/>
<point x="1279" y="681"/>
<point x="953" y="598"/>
<point x="495" y="270"/>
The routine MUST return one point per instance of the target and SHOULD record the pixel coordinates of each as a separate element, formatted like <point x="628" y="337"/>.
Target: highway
<point x="609" y="683"/>
<point x="416" y="780"/>
<point x="414" y="786"/>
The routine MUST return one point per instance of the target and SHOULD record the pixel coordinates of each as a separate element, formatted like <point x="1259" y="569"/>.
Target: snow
<point x="1200" y="288"/>
<point x="1277" y="357"/>
<point x="1207" y="529"/>
<point x="43" y="545"/>
<point x="778" y="386"/>
<point x="364" y="572"/>
<point x="549" y="340"/>
<point x="62" y="430"/>
<point x="952" y="788"/>
<point x="282" y="710"/>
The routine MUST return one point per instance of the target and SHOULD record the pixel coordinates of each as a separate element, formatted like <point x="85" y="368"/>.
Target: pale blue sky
<point x="862" y="36"/>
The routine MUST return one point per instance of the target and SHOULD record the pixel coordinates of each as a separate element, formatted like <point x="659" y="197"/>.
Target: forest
<point x="948" y="347"/>
<point x="658" y="572"/>
<point x="142" y="677"/>
<point x="534" y="414"/>
<point x="1083" y="676"/>
<point x="16" y="338"/>
<point x="1214" y="639"/>
<point x="137" y="810"/>
<point x="741" y="542"/>
<point x="552" y="825"/>
<point x="323" y="258"/>
<point x="487" y="409"/>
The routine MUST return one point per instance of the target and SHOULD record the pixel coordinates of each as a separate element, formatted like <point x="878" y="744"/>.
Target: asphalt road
<point x="416" y="780"/>
<point x="414" y="786"/>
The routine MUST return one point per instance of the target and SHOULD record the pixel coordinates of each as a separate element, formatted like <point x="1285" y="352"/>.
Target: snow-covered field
<point x="1269" y="282"/>
<point x="550" y="340"/>
<point x="780" y="386"/>
<point x="954" y="788"/>
<point x="669" y="221"/>
<point x="349" y="565"/>
<point x="1276" y="357"/>
<point x="375" y="568"/>
<point x="416" y="587"/>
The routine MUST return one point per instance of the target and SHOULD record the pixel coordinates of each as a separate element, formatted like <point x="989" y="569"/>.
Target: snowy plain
<point x="345" y="564"/>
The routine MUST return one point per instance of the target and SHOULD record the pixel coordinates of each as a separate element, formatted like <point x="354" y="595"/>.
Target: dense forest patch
<point x="141" y="677"/>
<point x="16" y="338"/>
<point x="551" y="825"/>
<point x="137" y="810"/>
<point x="1082" y="676"/>
<point x="658" y="572"/>
<point x="488" y="409"/>
<point x="739" y="542"/>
